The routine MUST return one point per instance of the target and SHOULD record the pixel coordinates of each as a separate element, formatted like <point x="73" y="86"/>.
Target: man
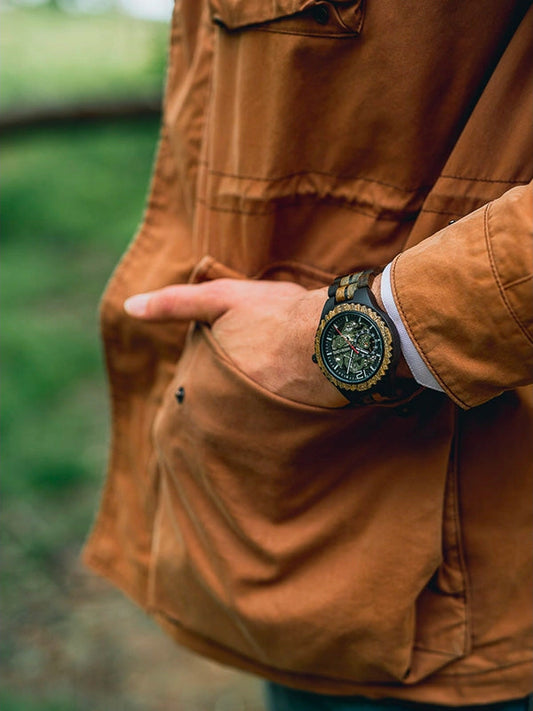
<point x="327" y="481"/>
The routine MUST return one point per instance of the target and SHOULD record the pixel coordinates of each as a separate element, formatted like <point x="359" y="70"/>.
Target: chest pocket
<point x="278" y="69"/>
<point x="285" y="145"/>
<point x="299" y="17"/>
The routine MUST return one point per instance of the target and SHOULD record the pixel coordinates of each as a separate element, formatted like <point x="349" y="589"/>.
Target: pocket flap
<point x="235" y="14"/>
<point x="238" y="13"/>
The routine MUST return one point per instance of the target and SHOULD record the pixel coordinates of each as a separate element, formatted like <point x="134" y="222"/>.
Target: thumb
<point x="201" y="302"/>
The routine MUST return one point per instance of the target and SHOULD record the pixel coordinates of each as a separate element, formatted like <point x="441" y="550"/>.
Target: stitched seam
<point x="493" y="669"/>
<point x="415" y="340"/>
<point x="457" y="544"/>
<point x="301" y="198"/>
<point x="325" y="35"/>
<point x="300" y="173"/>
<point x="498" y="281"/>
<point x="485" y="180"/>
<point x="519" y="281"/>
<point x="420" y="188"/>
<point x="439" y="212"/>
<point x="468" y="635"/>
<point x="201" y="177"/>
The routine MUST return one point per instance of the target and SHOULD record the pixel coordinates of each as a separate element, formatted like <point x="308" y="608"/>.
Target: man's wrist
<point x="376" y="291"/>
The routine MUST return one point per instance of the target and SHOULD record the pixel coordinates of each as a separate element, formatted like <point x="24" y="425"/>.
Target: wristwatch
<point x="357" y="346"/>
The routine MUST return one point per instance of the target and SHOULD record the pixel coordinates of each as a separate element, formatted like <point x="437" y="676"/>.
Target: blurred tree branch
<point x="87" y="110"/>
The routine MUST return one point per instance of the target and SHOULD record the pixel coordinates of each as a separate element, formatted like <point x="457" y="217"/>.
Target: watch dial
<point x="352" y="347"/>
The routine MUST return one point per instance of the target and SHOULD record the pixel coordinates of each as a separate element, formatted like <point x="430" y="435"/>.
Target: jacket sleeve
<point x="465" y="298"/>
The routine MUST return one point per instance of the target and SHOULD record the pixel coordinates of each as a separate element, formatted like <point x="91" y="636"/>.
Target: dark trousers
<point x="281" y="698"/>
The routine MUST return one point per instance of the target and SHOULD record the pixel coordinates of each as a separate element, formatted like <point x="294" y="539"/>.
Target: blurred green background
<point x="72" y="194"/>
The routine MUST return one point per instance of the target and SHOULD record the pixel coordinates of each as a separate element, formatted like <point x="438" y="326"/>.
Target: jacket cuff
<point x="464" y="298"/>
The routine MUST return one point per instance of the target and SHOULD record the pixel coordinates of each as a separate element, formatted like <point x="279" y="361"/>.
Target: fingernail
<point x="136" y="305"/>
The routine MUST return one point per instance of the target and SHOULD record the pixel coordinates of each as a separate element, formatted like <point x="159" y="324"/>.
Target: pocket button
<point x="320" y="13"/>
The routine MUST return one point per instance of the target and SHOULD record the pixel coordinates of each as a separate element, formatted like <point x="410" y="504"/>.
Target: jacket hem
<point x="448" y="688"/>
<point x="485" y="687"/>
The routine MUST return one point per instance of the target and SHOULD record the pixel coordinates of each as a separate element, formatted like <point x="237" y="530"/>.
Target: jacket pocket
<point x="304" y="17"/>
<point x="300" y="537"/>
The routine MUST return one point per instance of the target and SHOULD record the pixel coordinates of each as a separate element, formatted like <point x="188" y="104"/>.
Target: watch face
<point x="355" y="346"/>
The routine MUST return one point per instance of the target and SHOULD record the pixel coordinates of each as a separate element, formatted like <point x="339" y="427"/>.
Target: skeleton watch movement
<point x="356" y="344"/>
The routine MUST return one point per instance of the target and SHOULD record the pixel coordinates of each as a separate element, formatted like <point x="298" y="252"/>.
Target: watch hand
<point x="347" y="340"/>
<point x="349" y="362"/>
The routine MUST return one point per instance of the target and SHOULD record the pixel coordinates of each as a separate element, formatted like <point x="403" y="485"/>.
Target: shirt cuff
<point x="418" y="368"/>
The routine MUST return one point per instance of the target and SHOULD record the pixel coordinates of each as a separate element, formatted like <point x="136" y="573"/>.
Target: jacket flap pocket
<point x="254" y="488"/>
<point x="236" y="14"/>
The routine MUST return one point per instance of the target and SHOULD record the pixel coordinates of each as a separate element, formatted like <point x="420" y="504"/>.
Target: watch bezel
<point x="386" y="335"/>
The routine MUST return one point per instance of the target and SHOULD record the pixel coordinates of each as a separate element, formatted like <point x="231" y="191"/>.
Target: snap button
<point x="320" y="14"/>
<point x="180" y="395"/>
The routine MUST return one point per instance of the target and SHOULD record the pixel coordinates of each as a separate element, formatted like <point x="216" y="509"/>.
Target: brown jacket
<point x="370" y="550"/>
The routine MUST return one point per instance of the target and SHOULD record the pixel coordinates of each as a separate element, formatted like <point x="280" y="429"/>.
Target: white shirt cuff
<point x="418" y="368"/>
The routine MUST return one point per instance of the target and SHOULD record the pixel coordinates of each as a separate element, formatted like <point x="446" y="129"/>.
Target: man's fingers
<point x="201" y="302"/>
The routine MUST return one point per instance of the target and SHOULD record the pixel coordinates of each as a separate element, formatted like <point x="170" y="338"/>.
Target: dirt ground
<point x="93" y="649"/>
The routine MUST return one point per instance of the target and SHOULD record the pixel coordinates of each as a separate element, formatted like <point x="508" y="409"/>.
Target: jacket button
<point x="320" y="14"/>
<point x="180" y="395"/>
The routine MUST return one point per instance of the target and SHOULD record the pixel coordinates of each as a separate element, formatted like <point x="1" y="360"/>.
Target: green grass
<point x="50" y="56"/>
<point x="9" y="702"/>
<point x="71" y="200"/>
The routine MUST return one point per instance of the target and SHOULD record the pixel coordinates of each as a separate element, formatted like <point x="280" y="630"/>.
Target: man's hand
<point x="267" y="329"/>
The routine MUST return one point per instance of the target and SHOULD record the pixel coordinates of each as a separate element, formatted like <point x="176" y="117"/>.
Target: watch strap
<point x="344" y="287"/>
<point x="342" y="290"/>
